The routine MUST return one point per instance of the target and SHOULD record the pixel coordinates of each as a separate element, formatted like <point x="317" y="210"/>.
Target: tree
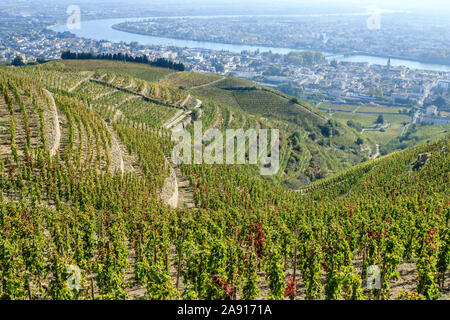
<point x="380" y="119"/>
<point x="355" y="125"/>
<point x="18" y="61"/>
<point x="41" y="60"/>
<point x="196" y="114"/>
<point x="325" y="130"/>
<point x="359" y="141"/>
<point x="160" y="62"/>
<point x="439" y="102"/>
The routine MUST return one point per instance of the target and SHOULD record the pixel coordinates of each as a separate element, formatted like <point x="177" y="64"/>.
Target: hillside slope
<point x="313" y="145"/>
<point x="90" y="198"/>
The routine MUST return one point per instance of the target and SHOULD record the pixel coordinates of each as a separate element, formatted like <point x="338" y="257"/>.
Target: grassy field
<point x="384" y="137"/>
<point x="419" y="133"/>
<point x="369" y="119"/>
<point x="346" y="107"/>
<point x="363" y="119"/>
<point x="431" y="132"/>
<point x="377" y="137"/>
<point x="422" y="133"/>
<point x="379" y="109"/>
<point x="358" y="108"/>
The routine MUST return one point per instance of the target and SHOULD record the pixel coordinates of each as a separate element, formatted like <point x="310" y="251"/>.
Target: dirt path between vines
<point x="183" y="103"/>
<point x="169" y="193"/>
<point x="377" y="153"/>
<point x="174" y="119"/>
<point x="185" y="191"/>
<point x="116" y="154"/>
<point x="219" y="120"/>
<point x="177" y="191"/>
<point x="118" y="115"/>
<point x="54" y="138"/>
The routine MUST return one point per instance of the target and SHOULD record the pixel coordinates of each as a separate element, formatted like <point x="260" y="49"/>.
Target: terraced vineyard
<point x="93" y="169"/>
<point x="190" y="80"/>
<point x="92" y="89"/>
<point x="155" y="91"/>
<point x="392" y="213"/>
<point x="83" y="165"/>
<point x="146" y="112"/>
<point x="113" y="98"/>
<point x="56" y="79"/>
<point x="136" y="70"/>
<point x="314" y="145"/>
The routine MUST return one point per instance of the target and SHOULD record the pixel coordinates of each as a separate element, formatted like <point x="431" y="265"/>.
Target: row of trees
<point x="18" y="61"/>
<point x="160" y="62"/>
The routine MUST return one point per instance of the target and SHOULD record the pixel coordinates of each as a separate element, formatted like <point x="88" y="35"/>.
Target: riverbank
<point x="103" y="30"/>
<point x="327" y="54"/>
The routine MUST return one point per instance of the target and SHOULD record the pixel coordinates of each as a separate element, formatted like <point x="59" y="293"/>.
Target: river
<point x="102" y="30"/>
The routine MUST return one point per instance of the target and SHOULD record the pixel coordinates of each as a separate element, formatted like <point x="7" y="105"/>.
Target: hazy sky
<point x="436" y="7"/>
<point x="424" y="4"/>
<point x="388" y="4"/>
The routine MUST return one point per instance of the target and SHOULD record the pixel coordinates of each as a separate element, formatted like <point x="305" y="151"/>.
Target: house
<point x="431" y="111"/>
<point x="443" y="84"/>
